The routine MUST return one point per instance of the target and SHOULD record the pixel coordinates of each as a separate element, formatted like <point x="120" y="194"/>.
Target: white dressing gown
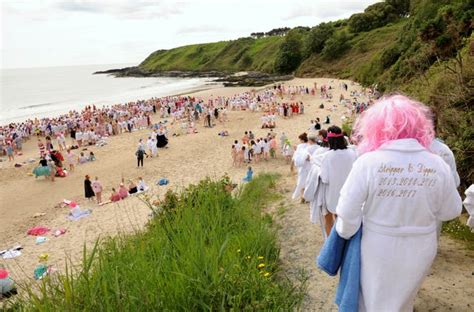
<point x="315" y="191"/>
<point x="399" y="192"/>
<point x="335" y="168"/>
<point x="469" y="205"/>
<point x="312" y="192"/>
<point x="300" y="159"/>
<point x="441" y="149"/>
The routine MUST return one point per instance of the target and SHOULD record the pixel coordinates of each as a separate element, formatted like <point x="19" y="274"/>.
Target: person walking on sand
<point x="397" y="192"/>
<point x="41" y="147"/>
<point x="298" y="160"/>
<point x="71" y="159"/>
<point x="140" y="153"/>
<point x="89" y="192"/>
<point x="335" y="167"/>
<point x="97" y="188"/>
<point x="10" y="151"/>
<point x="52" y="169"/>
<point x="151" y="145"/>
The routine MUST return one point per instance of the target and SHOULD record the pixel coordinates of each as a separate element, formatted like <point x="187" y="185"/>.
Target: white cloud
<point x="201" y="29"/>
<point x="72" y="32"/>
<point x="327" y="9"/>
<point x="133" y="9"/>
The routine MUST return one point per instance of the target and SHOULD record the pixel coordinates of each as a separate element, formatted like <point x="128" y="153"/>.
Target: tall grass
<point x="207" y="250"/>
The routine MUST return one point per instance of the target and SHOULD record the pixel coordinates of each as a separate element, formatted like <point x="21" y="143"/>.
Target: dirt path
<point x="449" y="287"/>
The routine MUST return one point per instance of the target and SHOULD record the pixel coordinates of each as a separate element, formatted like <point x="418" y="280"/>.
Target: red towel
<point x="37" y="230"/>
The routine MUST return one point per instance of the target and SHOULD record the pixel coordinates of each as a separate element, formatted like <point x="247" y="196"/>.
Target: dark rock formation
<point x="229" y="79"/>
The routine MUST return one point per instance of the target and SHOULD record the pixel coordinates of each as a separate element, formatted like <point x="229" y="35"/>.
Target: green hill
<point x="229" y="56"/>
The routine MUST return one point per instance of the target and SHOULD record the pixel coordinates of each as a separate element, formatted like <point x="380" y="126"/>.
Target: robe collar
<point x="406" y="145"/>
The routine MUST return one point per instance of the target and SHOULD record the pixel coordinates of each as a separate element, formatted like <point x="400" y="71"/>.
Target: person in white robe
<point x="303" y="163"/>
<point x="335" y="168"/>
<point x="441" y="149"/>
<point x="315" y="191"/>
<point x="469" y="205"/>
<point x="397" y="191"/>
<point x="150" y="144"/>
<point x="298" y="161"/>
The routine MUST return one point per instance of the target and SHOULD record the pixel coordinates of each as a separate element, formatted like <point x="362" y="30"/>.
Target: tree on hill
<point x="374" y="16"/>
<point x="401" y="7"/>
<point x="290" y="53"/>
<point x="317" y="38"/>
<point x="257" y="35"/>
<point x="278" y="31"/>
<point x="336" y="45"/>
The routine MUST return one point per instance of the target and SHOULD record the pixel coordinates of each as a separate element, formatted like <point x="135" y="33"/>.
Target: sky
<point x="41" y="33"/>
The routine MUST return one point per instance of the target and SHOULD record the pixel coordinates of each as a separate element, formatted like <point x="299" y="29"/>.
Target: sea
<point x="51" y="91"/>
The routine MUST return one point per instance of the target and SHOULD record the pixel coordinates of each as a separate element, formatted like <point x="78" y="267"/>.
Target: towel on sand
<point x="339" y="254"/>
<point x="76" y="213"/>
<point x="37" y="231"/>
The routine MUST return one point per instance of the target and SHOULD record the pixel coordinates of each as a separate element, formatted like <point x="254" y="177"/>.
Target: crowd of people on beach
<point x="251" y="149"/>
<point x="362" y="188"/>
<point x="92" y="125"/>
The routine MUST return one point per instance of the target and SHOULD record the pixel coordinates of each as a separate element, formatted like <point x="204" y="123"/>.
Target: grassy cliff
<point x="229" y="56"/>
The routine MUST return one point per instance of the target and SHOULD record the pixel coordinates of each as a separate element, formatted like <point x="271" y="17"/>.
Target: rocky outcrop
<point x="227" y="78"/>
<point x="254" y="79"/>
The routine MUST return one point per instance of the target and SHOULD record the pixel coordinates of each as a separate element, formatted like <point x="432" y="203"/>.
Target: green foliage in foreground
<point x="206" y="251"/>
<point x="460" y="231"/>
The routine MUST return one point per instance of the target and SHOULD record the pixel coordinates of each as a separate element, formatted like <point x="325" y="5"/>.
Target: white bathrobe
<point x="303" y="162"/>
<point x="399" y="192"/>
<point x="469" y="205"/>
<point x="315" y="191"/>
<point x="335" y="168"/>
<point x="441" y="149"/>
<point x="313" y="188"/>
<point x="299" y="159"/>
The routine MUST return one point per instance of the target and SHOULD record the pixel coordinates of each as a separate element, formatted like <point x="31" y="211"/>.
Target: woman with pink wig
<point x="398" y="189"/>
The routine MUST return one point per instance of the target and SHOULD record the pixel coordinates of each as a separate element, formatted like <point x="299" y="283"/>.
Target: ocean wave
<point x="39" y="105"/>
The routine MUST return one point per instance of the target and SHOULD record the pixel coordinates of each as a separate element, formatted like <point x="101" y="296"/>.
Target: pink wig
<point x="392" y="118"/>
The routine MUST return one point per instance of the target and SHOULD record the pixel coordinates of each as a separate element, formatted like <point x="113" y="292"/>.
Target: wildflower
<point x="266" y="274"/>
<point x="261" y="265"/>
<point x="238" y="250"/>
<point x="260" y="258"/>
<point x="248" y="257"/>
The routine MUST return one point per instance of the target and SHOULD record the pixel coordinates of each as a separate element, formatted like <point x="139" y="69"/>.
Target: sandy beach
<point x="27" y="202"/>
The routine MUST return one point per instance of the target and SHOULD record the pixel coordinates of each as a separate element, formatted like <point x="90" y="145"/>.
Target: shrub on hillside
<point x="390" y="56"/>
<point x="336" y="45"/>
<point x="374" y="16"/>
<point x="317" y="38"/>
<point x="290" y="55"/>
